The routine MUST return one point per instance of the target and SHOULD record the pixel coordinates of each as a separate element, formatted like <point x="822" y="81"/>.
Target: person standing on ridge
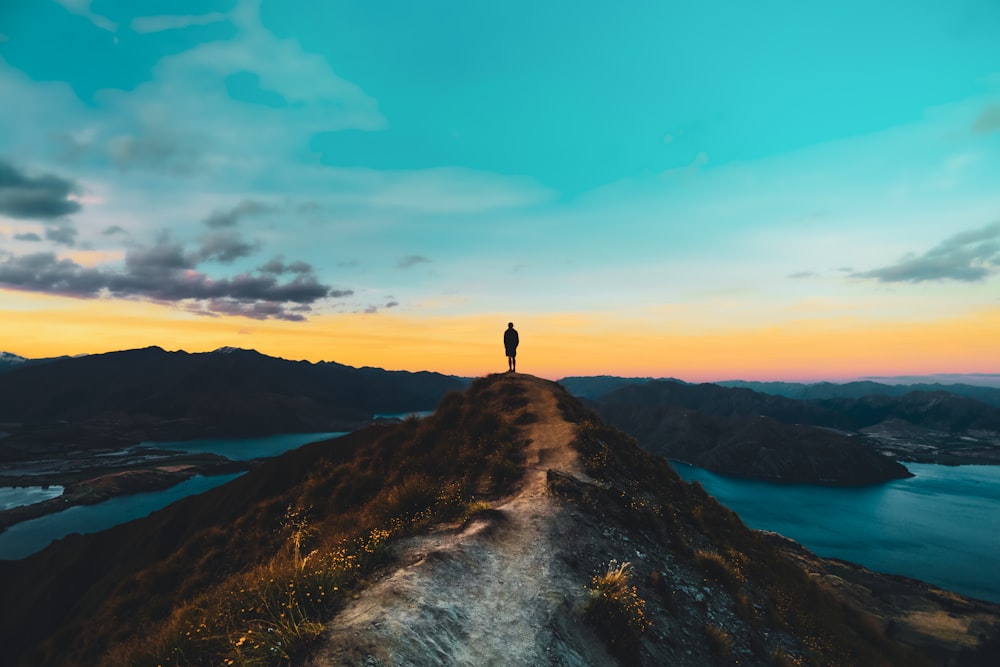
<point x="510" y="341"/>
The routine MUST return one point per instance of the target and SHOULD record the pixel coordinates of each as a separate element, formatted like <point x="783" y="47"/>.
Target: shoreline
<point x="92" y="484"/>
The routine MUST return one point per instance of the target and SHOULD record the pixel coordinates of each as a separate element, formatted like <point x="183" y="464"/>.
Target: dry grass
<point x="334" y="532"/>
<point x="616" y="611"/>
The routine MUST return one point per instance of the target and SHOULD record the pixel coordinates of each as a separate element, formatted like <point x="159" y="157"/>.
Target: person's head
<point x="510" y="325"/>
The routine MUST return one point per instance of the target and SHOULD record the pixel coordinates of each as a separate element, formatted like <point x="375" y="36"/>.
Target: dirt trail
<point x="496" y="593"/>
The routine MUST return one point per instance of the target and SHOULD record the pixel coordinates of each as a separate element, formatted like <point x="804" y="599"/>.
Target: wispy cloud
<point x="230" y="217"/>
<point x="411" y="261"/>
<point x="62" y="232"/>
<point x="988" y="120"/>
<point x="147" y="24"/>
<point x="82" y="8"/>
<point x="967" y="257"/>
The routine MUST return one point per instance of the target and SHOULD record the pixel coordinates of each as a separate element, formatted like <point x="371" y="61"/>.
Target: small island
<point x="89" y="478"/>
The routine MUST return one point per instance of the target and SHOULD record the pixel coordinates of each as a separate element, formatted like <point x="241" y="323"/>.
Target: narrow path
<point x="491" y="595"/>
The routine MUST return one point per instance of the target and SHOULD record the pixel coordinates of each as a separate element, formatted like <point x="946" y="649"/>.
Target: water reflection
<point x="16" y="496"/>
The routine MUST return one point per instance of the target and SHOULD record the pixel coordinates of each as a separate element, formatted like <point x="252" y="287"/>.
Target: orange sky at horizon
<point x="553" y="345"/>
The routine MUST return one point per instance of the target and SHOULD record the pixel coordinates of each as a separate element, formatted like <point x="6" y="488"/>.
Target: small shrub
<point x="616" y="611"/>
<point x="718" y="567"/>
<point x="718" y="640"/>
<point x="783" y="658"/>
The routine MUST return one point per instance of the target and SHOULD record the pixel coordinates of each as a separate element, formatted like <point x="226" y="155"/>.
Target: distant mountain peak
<point x="11" y="358"/>
<point x="229" y="349"/>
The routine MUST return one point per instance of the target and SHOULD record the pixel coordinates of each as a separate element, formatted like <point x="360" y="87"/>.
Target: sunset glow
<point x="705" y="192"/>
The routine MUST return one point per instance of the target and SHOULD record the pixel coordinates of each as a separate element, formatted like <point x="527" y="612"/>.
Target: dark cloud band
<point x="164" y="273"/>
<point x="42" y="197"/>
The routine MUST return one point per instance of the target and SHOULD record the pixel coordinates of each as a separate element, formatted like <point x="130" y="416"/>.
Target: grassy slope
<point x="94" y="592"/>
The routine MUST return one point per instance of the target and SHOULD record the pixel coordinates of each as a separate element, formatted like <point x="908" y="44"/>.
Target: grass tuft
<point x="616" y="611"/>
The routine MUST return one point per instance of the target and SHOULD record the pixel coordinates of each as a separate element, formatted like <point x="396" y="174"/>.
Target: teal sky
<point x="763" y="164"/>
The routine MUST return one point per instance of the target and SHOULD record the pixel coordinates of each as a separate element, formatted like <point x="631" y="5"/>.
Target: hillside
<point x="861" y="388"/>
<point x="122" y="398"/>
<point x="746" y="433"/>
<point x="753" y="447"/>
<point x="511" y="527"/>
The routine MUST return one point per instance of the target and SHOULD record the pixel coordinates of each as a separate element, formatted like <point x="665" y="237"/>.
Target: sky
<point x="705" y="190"/>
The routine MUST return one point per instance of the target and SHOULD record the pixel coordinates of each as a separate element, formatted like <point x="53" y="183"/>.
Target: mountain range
<point x="745" y="433"/>
<point x="512" y="526"/>
<point x="122" y="398"/>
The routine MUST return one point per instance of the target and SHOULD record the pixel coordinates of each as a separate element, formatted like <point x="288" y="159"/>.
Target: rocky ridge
<point x="511" y="587"/>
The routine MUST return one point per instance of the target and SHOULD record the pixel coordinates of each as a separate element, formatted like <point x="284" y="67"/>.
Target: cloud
<point x="988" y="120"/>
<point x="968" y="256"/>
<point x="113" y="230"/>
<point x="803" y="274"/>
<point x="41" y="196"/>
<point x="690" y="169"/>
<point x="391" y="304"/>
<point x="225" y="247"/>
<point x="183" y="121"/>
<point x="62" y="232"/>
<point x="165" y="273"/>
<point x="410" y="261"/>
<point x="245" y="208"/>
<point x="27" y="236"/>
<point x="82" y="8"/>
<point x="148" y="24"/>
<point x="277" y="266"/>
<point x="155" y="146"/>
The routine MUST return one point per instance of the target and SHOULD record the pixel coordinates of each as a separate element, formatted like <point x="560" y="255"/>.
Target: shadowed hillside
<point x="133" y="395"/>
<point x="511" y="527"/>
<point x="744" y="433"/>
<point x="859" y="389"/>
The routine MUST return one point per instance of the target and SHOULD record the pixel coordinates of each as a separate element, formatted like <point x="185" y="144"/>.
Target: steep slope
<point x="699" y="588"/>
<point x="494" y="532"/>
<point x="491" y="592"/>
<point x="130" y="591"/>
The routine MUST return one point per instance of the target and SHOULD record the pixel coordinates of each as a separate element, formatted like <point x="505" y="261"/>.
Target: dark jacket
<point x="510" y="341"/>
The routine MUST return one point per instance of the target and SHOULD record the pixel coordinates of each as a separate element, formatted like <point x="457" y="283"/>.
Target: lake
<point x="244" y="449"/>
<point x="939" y="526"/>
<point x="26" y="538"/>
<point x="16" y="496"/>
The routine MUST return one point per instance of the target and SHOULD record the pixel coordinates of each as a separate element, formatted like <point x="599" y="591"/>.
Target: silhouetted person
<point x="510" y="341"/>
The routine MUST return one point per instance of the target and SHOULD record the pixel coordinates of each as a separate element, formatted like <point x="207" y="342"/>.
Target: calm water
<point x="940" y="526"/>
<point x="28" y="537"/>
<point x="16" y="496"/>
<point x="244" y="449"/>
